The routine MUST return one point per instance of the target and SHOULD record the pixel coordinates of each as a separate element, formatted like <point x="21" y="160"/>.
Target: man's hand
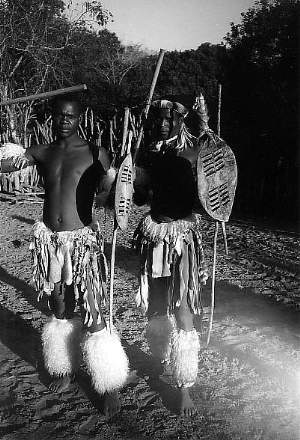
<point x="105" y="187"/>
<point x="14" y="157"/>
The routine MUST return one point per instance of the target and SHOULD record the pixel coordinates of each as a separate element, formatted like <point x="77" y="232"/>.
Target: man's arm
<point x="141" y="186"/>
<point x="14" y="157"/>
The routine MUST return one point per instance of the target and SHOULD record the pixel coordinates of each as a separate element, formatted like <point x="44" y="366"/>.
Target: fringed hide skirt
<point x="70" y="257"/>
<point x="173" y="250"/>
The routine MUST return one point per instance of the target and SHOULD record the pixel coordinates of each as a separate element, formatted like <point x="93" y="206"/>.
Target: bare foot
<point x="187" y="407"/>
<point x="111" y="404"/>
<point x="60" y="384"/>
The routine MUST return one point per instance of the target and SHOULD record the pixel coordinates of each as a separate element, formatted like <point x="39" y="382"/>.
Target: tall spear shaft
<point x="116" y="225"/>
<point x="219" y="134"/>
<point x="148" y="103"/>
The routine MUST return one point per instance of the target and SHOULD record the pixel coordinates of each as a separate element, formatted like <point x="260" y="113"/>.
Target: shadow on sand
<point x="28" y="292"/>
<point x="21" y="218"/>
<point x="149" y="369"/>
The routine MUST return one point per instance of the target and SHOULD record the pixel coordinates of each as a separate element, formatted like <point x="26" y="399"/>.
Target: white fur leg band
<point x="184" y="357"/>
<point x="61" y="346"/>
<point x="106" y="360"/>
<point x="159" y="334"/>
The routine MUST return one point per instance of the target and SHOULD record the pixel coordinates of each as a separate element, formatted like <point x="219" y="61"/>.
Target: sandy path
<point x="248" y="385"/>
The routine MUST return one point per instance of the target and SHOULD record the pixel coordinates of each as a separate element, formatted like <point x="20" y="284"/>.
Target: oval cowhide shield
<point x="216" y="177"/>
<point x="124" y="191"/>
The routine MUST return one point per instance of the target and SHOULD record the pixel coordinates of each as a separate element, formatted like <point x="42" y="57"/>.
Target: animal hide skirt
<point x="172" y="250"/>
<point x="71" y="258"/>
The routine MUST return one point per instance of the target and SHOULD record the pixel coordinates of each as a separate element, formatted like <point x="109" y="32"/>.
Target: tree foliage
<point x="261" y="100"/>
<point x="35" y="38"/>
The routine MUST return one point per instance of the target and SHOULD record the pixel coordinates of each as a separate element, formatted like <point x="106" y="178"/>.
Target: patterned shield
<point x="124" y="192"/>
<point x="216" y="177"/>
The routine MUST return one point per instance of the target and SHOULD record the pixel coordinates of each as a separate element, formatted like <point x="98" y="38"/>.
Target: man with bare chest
<point x="69" y="265"/>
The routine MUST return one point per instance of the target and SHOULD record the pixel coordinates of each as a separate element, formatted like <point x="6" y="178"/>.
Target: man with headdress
<point x="69" y="265"/>
<point x="169" y="241"/>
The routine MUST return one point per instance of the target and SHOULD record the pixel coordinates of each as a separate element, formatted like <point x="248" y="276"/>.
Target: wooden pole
<point x="213" y="283"/>
<point x="45" y="95"/>
<point x="111" y="140"/>
<point x="219" y="134"/>
<point x="112" y="273"/>
<point x="148" y="103"/>
<point x="125" y="130"/>
<point x="224" y="237"/>
<point x="154" y="80"/>
<point x="132" y="123"/>
<point x="219" y="108"/>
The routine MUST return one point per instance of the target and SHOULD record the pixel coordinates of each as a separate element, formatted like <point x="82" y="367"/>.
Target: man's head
<point x="66" y="114"/>
<point x="165" y="119"/>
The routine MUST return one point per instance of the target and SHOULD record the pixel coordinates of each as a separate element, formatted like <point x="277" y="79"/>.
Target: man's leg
<point x="61" y="338"/>
<point x="103" y="354"/>
<point x="160" y="325"/>
<point x="184" y="356"/>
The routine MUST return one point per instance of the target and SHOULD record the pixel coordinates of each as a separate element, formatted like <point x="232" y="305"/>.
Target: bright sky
<point x="174" y="24"/>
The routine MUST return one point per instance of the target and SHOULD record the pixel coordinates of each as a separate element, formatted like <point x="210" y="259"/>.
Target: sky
<point x="174" y="24"/>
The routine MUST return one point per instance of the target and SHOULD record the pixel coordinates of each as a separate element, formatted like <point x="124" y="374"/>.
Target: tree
<point x="34" y="36"/>
<point x="261" y="93"/>
<point x="182" y="76"/>
<point x="35" y="41"/>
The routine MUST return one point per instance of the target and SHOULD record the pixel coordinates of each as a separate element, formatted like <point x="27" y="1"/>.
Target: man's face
<point x="164" y="126"/>
<point x="66" y="119"/>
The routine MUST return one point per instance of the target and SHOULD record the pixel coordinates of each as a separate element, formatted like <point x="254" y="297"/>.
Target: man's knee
<point x="62" y="301"/>
<point x="158" y="297"/>
<point x="184" y="318"/>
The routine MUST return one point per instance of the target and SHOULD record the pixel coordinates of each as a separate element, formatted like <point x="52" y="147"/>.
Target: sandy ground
<point x="248" y="385"/>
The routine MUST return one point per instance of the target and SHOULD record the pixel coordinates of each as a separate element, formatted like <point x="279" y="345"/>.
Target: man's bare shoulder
<point x="38" y="151"/>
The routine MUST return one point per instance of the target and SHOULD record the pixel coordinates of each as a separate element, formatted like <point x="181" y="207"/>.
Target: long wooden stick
<point x="213" y="283"/>
<point x="45" y="94"/>
<point x="148" y="103"/>
<point x="219" y="134"/>
<point x="111" y="140"/>
<point x="224" y="237"/>
<point x="115" y="233"/>
<point x="219" y="108"/>
<point x="125" y="130"/>
<point x="112" y="274"/>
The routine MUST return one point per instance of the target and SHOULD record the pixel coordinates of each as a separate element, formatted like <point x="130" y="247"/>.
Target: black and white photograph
<point x="149" y="220"/>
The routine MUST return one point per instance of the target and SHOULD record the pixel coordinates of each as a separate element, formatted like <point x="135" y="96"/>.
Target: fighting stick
<point x="125" y="130"/>
<point x="148" y="103"/>
<point x="127" y="151"/>
<point x="213" y="283"/>
<point x="219" y="134"/>
<point x="112" y="272"/>
<point x="45" y="95"/>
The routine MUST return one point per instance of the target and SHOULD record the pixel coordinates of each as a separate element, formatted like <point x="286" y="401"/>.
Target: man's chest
<point x="67" y="167"/>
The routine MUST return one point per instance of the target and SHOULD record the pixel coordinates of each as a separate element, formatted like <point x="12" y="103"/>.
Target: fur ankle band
<point x="184" y="357"/>
<point x="106" y="360"/>
<point x="61" y="346"/>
